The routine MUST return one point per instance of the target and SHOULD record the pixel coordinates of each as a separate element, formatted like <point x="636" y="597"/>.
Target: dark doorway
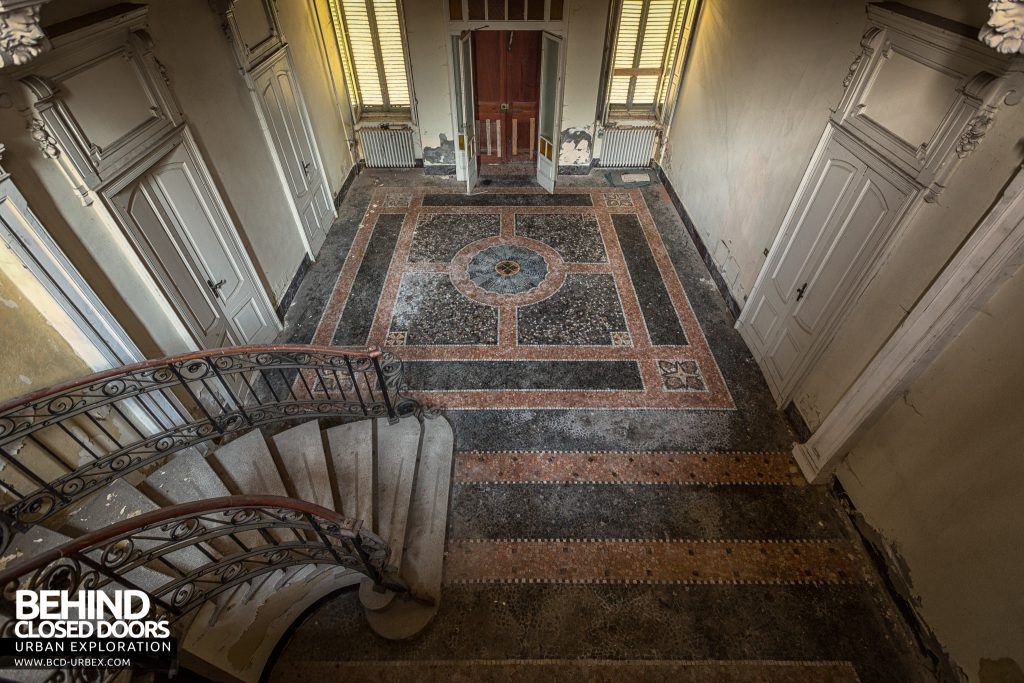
<point x="507" y="84"/>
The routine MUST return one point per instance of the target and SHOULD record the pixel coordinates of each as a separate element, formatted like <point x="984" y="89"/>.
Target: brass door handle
<point x="504" y="106"/>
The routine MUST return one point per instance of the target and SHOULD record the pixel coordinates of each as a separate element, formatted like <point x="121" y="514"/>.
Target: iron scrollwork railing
<point x="185" y="555"/>
<point x="61" y="444"/>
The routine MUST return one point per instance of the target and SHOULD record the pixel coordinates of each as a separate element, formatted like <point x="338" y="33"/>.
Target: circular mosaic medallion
<point x="507" y="270"/>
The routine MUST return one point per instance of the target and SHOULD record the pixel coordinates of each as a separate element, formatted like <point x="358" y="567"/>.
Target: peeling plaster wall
<point x="36" y="353"/>
<point x="940" y="476"/>
<point x="427" y="35"/>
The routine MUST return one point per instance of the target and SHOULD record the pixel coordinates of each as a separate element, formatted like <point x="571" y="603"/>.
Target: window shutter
<point x="646" y="37"/>
<point x="369" y="33"/>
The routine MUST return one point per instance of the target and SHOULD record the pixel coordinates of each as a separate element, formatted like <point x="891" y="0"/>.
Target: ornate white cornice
<point x="1004" y="30"/>
<point x="21" y="37"/>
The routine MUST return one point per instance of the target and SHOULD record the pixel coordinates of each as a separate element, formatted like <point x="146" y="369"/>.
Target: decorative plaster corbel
<point x="38" y="132"/>
<point x="21" y="38"/>
<point x="1004" y="30"/>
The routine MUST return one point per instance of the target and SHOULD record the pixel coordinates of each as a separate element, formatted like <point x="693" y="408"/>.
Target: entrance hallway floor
<point x="623" y="506"/>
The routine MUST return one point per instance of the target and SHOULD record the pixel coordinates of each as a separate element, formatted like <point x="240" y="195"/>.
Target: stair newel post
<point x="392" y="415"/>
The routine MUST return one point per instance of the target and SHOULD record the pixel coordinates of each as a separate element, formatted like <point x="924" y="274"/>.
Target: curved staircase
<point x="283" y="518"/>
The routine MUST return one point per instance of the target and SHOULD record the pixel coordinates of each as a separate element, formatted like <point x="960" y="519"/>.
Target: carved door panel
<point x="175" y="222"/>
<point x="841" y="219"/>
<point x="287" y="126"/>
<point x="507" y="79"/>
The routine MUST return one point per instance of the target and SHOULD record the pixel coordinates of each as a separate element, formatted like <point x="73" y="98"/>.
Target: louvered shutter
<point x="369" y="33"/>
<point x="645" y="41"/>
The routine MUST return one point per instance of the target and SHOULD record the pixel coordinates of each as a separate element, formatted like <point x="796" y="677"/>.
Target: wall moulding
<point x="99" y="100"/>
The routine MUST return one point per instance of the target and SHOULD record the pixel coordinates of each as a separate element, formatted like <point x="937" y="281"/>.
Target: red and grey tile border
<point x="656" y="393"/>
<point x="593" y="670"/>
<point x="653" y="562"/>
<point x="679" y="468"/>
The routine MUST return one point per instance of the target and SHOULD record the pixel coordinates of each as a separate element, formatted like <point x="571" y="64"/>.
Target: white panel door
<point x="178" y="226"/>
<point x="287" y="125"/>
<point x="833" y="235"/>
<point x="550" y="111"/>
<point x="467" y="136"/>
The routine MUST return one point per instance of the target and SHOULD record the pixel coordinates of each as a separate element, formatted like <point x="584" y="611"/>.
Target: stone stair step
<point x="395" y="456"/>
<point x="351" y="456"/>
<point x="120" y="501"/>
<point x="246" y="467"/>
<point x="423" y="559"/>
<point x="397" y="452"/>
<point x="185" y="478"/>
<point x="304" y="464"/>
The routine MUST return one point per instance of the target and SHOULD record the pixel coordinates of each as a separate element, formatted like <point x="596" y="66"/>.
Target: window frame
<point x="373" y="113"/>
<point x="658" y="113"/>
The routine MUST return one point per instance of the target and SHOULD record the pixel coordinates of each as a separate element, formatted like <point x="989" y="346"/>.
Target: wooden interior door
<point x="507" y="80"/>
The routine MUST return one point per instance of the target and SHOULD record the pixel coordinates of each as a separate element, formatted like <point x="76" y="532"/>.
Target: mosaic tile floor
<point x="520" y="299"/>
<point x="637" y="520"/>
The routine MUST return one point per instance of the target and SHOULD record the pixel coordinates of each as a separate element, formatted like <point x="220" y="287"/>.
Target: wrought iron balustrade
<point x="61" y="444"/>
<point x="183" y="556"/>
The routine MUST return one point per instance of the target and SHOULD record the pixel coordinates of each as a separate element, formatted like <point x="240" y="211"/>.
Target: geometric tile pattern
<point x="533" y="284"/>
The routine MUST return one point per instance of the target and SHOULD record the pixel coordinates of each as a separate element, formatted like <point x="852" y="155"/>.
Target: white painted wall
<point x="940" y="476"/>
<point x="754" y="100"/>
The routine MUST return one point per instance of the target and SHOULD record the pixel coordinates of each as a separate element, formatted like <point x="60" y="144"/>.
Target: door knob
<point x="215" y="286"/>
<point x="305" y="167"/>
<point x="800" y="292"/>
<point x="504" y="106"/>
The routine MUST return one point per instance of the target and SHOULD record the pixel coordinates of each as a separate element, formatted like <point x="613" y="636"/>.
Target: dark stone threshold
<point x="496" y="375"/>
<point x="577" y="169"/>
<point x="797" y="422"/>
<point x="293" y="288"/>
<point x="507" y="200"/>
<point x="439" y="169"/>
<point x="716" y="274"/>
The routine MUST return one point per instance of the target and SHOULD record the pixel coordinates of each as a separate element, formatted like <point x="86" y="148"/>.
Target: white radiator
<point x="387" y="147"/>
<point x="627" y="147"/>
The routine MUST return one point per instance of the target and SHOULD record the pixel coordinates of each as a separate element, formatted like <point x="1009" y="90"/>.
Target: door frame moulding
<point x="454" y="29"/>
<point x="252" y="62"/>
<point x="182" y="136"/>
<point x="989" y="256"/>
<point x="93" y="170"/>
<point x="41" y="255"/>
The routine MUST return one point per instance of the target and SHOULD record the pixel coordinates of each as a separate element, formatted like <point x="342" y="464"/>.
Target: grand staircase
<point x="238" y="534"/>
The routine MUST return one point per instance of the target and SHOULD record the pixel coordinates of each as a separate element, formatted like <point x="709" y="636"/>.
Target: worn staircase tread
<point x="398" y="448"/>
<point x="423" y="559"/>
<point x="351" y="454"/>
<point x="395" y="456"/>
<point x="247" y="467"/>
<point x="304" y="463"/>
